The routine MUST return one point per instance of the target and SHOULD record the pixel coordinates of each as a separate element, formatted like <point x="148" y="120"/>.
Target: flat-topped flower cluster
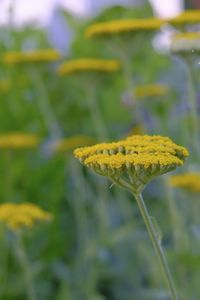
<point x="142" y="157"/>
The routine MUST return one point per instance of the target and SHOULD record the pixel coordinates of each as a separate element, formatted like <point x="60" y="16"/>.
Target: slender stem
<point x="193" y="109"/>
<point x="157" y="245"/>
<point x="27" y="272"/>
<point x="96" y="115"/>
<point x="44" y="104"/>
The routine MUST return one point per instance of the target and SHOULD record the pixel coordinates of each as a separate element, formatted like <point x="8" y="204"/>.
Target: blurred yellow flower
<point x="33" y="56"/>
<point x="70" y="143"/>
<point x="5" y="85"/>
<point x="151" y="90"/>
<point x="185" y="43"/>
<point x="18" y="141"/>
<point x="122" y="26"/>
<point x="16" y="216"/>
<point x="188" y="181"/>
<point x="88" y="64"/>
<point x="141" y="156"/>
<point x="186" y="18"/>
<point x="138" y="129"/>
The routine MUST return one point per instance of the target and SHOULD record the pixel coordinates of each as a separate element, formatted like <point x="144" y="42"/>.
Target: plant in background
<point x="18" y="140"/>
<point x="185" y="19"/>
<point x="132" y="164"/>
<point x="151" y="104"/>
<point x="124" y="38"/>
<point x="33" y="62"/>
<point x="187" y="47"/>
<point x="92" y="70"/>
<point x="17" y="218"/>
<point x="72" y="142"/>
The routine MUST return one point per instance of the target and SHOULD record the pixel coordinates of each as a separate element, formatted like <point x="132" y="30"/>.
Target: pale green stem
<point x="153" y="236"/>
<point x="193" y="110"/>
<point x="157" y="245"/>
<point x="26" y="268"/>
<point x="44" y="104"/>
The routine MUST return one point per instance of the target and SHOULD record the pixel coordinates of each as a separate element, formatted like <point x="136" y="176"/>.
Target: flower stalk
<point x="25" y="266"/>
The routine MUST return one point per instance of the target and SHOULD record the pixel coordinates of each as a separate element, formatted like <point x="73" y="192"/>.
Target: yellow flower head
<point x="188" y="181"/>
<point x="16" y="216"/>
<point x="5" y="85"/>
<point x="151" y="90"/>
<point x="186" y="43"/>
<point x="142" y="157"/>
<point x="18" y="141"/>
<point x="123" y="26"/>
<point x="34" y="56"/>
<point x="69" y="144"/>
<point x="186" y="18"/>
<point x="88" y="65"/>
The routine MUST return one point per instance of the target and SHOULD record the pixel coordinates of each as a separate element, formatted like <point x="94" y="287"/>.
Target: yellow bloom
<point x="189" y="181"/>
<point x="18" y="141"/>
<point x="34" y="56"/>
<point x="141" y="156"/>
<point x="4" y="85"/>
<point x="121" y="26"/>
<point x="16" y="216"/>
<point x="88" y="64"/>
<point x="186" y="18"/>
<point x="185" y="43"/>
<point x="151" y="90"/>
<point x="72" y="142"/>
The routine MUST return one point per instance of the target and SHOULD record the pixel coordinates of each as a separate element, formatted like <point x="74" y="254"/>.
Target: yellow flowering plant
<point x="19" y="216"/>
<point x="16" y="218"/>
<point x="189" y="181"/>
<point x="132" y="163"/>
<point x="31" y="56"/>
<point x="70" y="143"/>
<point x="85" y="71"/>
<point x="185" y="19"/>
<point x="18" y="140"/>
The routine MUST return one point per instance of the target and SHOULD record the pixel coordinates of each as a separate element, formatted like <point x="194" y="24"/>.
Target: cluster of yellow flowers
<point x="88" y="64"/>
<point x="16" y="216"/>
<point x="189" y="181"/>
<point x="151" y="90"/>
<point x="121" y="26"/>
<point x="18" y="141"/>
<point x="71" y="143"/>
<point x="185" y="18"/>
<point x="47" y="55"/>
<point x="183" y="43"/>
<point x="141" y="156"/>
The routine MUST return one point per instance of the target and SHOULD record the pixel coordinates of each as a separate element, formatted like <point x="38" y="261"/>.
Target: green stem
<point x="193" y="110"/>
<point x="27" y="272"/>
<point x="96" y="115"/>
<point x="156" y="244"/>
<point x="44" y="104"/>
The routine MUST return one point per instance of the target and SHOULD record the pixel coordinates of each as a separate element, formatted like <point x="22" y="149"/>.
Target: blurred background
<point x="96" y="246"/>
